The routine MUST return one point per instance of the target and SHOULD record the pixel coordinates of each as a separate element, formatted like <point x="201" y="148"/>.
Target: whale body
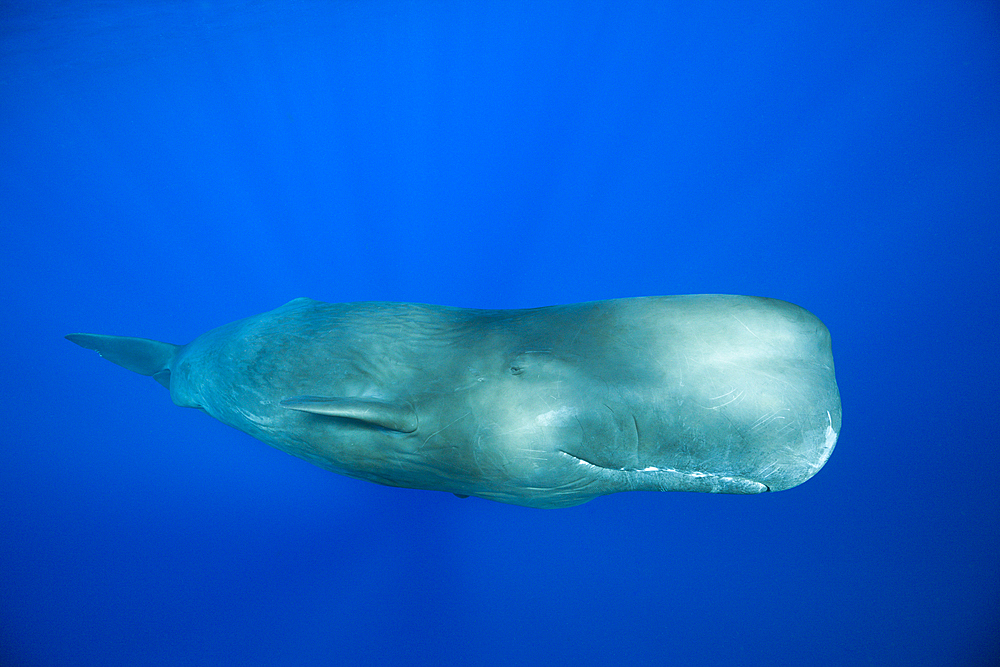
<point x="543" y="407"/>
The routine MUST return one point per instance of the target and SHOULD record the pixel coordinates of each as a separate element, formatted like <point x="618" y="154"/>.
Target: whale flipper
<point x="393" y="416"/>
<point x="141" y="355"/>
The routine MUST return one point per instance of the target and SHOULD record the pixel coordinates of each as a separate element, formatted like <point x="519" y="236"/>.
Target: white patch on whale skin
<point x="831" y="435"/>
<point x="829" y="440"/>
<point x="556" y="416"/>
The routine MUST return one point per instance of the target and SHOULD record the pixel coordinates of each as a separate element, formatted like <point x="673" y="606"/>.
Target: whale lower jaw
<point x="653" y="478"/>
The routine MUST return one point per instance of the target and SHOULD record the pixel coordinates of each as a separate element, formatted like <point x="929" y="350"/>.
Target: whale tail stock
<point x="140" y="355"/>
<point x="153" y="358"/>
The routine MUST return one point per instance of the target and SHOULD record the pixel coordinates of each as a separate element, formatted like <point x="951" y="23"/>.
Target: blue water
<point x="169" y="167"/>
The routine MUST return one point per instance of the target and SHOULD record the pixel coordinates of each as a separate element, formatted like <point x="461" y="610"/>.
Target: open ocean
<point x="168" y="167"/>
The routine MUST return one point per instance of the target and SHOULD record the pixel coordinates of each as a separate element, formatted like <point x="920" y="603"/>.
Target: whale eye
<point x="529" y="359"/>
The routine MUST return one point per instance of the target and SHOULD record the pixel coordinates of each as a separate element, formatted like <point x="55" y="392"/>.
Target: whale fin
<point x="393" y="416"/>
<point x="140" y="355"/>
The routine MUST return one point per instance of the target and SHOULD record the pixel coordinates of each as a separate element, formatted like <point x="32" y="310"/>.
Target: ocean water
<point x="168" y="167"/>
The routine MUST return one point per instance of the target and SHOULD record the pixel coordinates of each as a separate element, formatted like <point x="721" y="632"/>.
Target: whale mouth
<point x="672" y="479"/>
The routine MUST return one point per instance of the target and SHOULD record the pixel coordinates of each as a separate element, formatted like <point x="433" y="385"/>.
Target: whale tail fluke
<point x="141" y="355"/>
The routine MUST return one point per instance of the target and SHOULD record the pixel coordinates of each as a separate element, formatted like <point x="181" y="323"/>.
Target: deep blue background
<point x="169" y="167"/>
